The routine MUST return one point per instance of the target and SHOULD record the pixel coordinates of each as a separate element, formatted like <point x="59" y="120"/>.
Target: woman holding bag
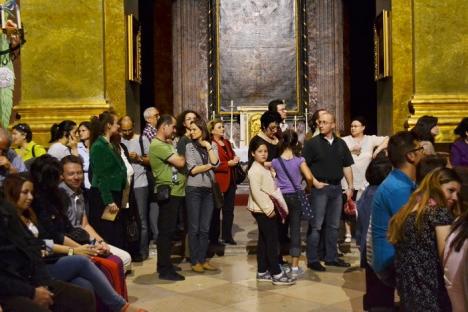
<point x="290" y="170"/>
<point x="201" y="158"/>
<point x="109" y="178"/>
<point x="225" y="176"/>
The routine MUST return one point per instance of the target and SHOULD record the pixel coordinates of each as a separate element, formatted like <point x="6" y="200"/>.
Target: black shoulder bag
<point x="306" y="208"/>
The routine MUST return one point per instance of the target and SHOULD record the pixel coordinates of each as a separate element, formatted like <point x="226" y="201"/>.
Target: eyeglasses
<point x="414" y="150"/>
<point x="273" y="128"/>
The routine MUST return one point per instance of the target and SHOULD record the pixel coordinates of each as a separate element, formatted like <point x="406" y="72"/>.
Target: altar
<point x="249" y="117"/>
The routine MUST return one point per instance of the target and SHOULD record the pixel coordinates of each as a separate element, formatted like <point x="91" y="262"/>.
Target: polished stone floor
<point x="234" y="287"/>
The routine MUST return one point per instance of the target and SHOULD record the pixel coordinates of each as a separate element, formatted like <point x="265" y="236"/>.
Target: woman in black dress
<point x="418" y="232"/>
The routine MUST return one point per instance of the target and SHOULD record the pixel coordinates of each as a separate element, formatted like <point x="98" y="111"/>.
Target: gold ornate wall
<point x="429" y="52"/>
<point x="73" y="65"/>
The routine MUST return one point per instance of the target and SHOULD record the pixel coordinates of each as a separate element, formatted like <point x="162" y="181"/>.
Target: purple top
<point x="293" y="166"/>
<point x="459" y="153"/>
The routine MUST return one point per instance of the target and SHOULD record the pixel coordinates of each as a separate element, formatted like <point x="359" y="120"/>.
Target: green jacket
<point x="108" y="169"/>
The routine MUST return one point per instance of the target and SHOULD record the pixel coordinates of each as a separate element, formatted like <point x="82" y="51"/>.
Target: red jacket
<point x="224" y="173"/>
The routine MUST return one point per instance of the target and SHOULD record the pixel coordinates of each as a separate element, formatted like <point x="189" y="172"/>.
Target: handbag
<point x="79" y="235"/>
<point x="307" y="212"/>
<point x="350" y="207"/>
<point x="239" y="174"/>
<point x="161" y="192"/>
<point x="133" y="231"/>
<point x="279" y="203"/>
<point x="218" y="196"/>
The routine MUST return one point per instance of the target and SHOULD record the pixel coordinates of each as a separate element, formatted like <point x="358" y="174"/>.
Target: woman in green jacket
<point x="108" y="178"/>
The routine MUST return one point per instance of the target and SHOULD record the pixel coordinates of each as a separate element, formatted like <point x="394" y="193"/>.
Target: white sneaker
<point x="264" y="277"/>
<point x="286" y="268"/>
<point x="347" y="238"/>
<point x="283" y="279"/>
<point x="297" y="272"/>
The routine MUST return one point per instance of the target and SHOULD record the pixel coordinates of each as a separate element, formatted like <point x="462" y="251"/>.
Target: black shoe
<point x="171" y="276"/>
<point x="137" y="258"/>
<point x="217" y="244"/>
<point x="316" y="266"/>
<point x="338" y="263"/>
<point x="230" y="242"/>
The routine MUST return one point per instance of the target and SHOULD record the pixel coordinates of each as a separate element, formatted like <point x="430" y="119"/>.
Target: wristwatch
<point x="71" y="251"/>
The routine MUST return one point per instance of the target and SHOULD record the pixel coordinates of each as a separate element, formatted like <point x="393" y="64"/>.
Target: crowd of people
<point x="103" y="190"/>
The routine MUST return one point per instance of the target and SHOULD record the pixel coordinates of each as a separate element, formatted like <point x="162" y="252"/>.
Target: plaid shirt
<point x="149" y="132"/>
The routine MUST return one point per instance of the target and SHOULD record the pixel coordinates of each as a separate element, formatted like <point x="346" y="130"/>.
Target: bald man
<point x="329" y="159"/>
<point x="138" y="147"/>
<point x="10" y="162"/>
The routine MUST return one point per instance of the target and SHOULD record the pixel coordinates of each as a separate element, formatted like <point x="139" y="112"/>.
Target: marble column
<point x="190" y="55"/>
<point x="325" y="45"/>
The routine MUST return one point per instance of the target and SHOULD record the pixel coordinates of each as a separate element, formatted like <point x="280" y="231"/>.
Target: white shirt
<point x="362" y="152"/>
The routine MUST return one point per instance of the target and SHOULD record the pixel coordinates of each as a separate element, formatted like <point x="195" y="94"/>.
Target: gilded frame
<point x="134" y="49"/>
<point x="301" y="68"/>
<point x="382" y="61"/>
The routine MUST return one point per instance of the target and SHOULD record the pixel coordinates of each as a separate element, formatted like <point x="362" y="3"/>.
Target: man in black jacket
<point x="25" y="284"/>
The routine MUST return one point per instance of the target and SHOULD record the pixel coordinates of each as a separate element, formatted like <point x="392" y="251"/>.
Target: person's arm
<point x="176" y="160"/>
<point x="193" y="166"/>
<point x="83" y="250"/>
<point x="442" y="232"/>
<point x="100" y="243"/>
<point x="348" y="173"/>
<point x="212" y="153"/>
<point x="102" y="160"/>
<point x="309" y="177"/>
<point x="381" y="146"/>
<point x="261" y="198"/>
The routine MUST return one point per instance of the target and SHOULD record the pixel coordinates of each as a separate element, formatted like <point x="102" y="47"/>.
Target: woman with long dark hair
<point x="201" y="158"/>
<point x="109" y="178"/>
<point x="290" y="165"/>
<point x="425" y="130"/>
<point x="63" y="139"/>
<point x="84" y="133"/>
<point x="418" y="231"/>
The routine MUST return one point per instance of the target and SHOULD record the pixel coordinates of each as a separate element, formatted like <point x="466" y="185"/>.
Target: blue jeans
<point x="199" y="202"/>
<point x="141" y="198"/>
<point x="326" y="203"/>
<point x="80" y="271"/>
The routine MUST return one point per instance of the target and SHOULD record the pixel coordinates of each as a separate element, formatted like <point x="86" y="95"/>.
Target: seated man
<point x="25" y="284"/>
<point x="10" y="162"/>
<point x="73" y="175"/>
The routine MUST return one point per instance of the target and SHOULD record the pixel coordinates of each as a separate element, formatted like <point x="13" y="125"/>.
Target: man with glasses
<point x="10" y="162"/>
<point x="138" y="149"/>
<point x="166" y="165"/>
<point x="329" y="159"/>
<point x="404" y="152"/>
<point x="151" y="115"/>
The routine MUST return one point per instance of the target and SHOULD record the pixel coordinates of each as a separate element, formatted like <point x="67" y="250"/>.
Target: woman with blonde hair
<point x="418" y="232"/>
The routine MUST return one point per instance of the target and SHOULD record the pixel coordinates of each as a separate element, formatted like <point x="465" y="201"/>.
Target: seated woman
<point x="418" y="231"/>
<point x="25" y="147"/>
<point x="459" y="149"/>
<point x="63" y="139"/>
<point x="425" y="130"/>
<point x="76" y="268"/>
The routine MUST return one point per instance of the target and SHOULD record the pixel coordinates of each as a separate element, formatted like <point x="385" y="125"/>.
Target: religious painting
<point x="134" y="49"/>
<point x="382" y="46"/>
<point x="257" y="53"/>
